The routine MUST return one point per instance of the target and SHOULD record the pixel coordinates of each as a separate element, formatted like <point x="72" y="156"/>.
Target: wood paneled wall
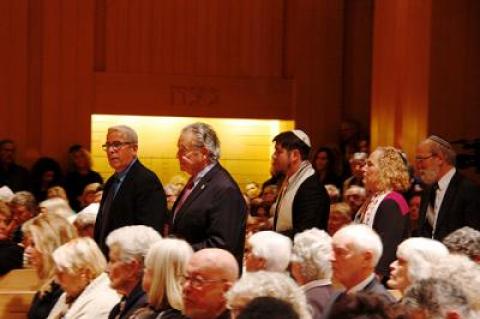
<point x="426" y="71"/>
<point x="313" y="61"/>
<point x="65" y="60"/>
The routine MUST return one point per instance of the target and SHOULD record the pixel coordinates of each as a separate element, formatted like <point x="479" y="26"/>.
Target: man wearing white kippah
<point x="450" y="201"/>
<point x="302" y="201"/>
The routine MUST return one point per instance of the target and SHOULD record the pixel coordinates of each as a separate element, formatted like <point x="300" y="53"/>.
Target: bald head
<point x="209" y="275"/>
<point x="218" y="261"/>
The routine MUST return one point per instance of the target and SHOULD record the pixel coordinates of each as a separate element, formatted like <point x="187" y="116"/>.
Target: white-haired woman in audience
<point x="127" y="248"/>
<point x="266" y="284"/>
<point x="42" y="235"/>
<point x="465" y="241"/>
<point x="80" y="271"/>
<point x="162" y="280"/>
<point x="311" y="267"/>
<point x="268" y="250"/>
<point x="462" y="272"/>
<point x="57" y="206"/>
<point x="415" y="257"/>
<point x="386" y="210"/>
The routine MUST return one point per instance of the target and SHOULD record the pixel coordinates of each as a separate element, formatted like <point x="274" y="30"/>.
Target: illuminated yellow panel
<point x="246" y="144"/>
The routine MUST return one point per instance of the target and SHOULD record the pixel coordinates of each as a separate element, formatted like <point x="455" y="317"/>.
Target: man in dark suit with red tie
<point x="450" y="201"/>
<point x="211" y="211"/>
<point x="133" y="195"/>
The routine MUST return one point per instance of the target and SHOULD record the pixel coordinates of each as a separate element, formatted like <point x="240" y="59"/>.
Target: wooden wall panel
<point x="455" y="70"/>
<point x="195" y="37"/>
<point x="13" y="70"/>
<point x="315" y="62"/>
<point x="144" y="94"/>
<point x="400" y="73"/>
<point x="357" y="61"/>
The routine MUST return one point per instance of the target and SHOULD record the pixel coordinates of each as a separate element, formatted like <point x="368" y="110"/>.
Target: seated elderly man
<point x="128" y="247"/>
<point x="465" y="241"/>
<point x="268" y="250"/>
<point x="311" y="267"/>
<point x="437" y="299"/>
<point x="356" y="252"/>
<point x="210" y="273"/>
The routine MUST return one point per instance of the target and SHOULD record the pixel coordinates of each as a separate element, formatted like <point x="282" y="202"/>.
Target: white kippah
<point x="302" y="136"/>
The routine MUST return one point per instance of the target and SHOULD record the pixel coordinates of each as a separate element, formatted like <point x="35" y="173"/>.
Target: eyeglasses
<point x="424" y="158"/>
<point x="199" y="282"/>
<point x="115" y="145"/>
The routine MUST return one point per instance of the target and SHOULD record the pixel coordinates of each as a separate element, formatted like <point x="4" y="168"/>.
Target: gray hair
<point x="420" y="254"/>
<point x="312" y="249"/>
<point x="57" y="205"/>
<point x="127" y="131"/>
<point x="440" y="146"/>
<point x="25" y="199"/>
<point x="465" y="240"/>
<point x="84" y="219"/>
<point x="204" y="136"/>
<point x="464" y="273"/>
<point x="363" y="239"/>
<point x="437" y="297"/>
<point x="273" y="247"/>
<point x="78" y="255"/>
<point x="133" y="241"/>
<point x="268" y="284"/>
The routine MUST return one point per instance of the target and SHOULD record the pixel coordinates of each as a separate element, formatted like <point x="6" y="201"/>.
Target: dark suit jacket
<point x="140" y="200"/>
<point x="460" y="207"/>
<point x="134" y="301"/>
<point x="311" y="206"/>
<point x="213" y="215"/>
<point x="373" y="286"/>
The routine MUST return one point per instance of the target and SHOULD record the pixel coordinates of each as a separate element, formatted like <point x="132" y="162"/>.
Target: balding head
<point x="209" y="274"/>
<point x="218" y="261"/>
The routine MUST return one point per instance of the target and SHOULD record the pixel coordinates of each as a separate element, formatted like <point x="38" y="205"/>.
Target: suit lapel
<point x="447" y="199"/>
<point x="197" y="191"/>
<point x="424" y="207"/>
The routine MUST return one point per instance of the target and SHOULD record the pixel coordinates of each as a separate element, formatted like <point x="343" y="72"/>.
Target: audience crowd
<point x="349" y="234"/>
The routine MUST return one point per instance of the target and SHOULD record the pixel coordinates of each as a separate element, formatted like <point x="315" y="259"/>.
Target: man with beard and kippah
<point x="450" y="201"/>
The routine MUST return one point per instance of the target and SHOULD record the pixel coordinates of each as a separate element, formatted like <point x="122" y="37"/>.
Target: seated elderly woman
<point x="85" y="220"/>
<point x="434" y="298"/>
<point x="43" y="234"/>
<point x="415" y="257"/>
<point x="340" y="215"/>
<point x="462" y="272"/>
<point x="311" y="267"/>
<point x="11" y="254"/>
<point x="57" y="206"/>
<point x="128" y="247"/>
<point x="268" y="250"/>
<point x="266" y="284"/>
<point x="386" y="210"/>
<point x="162" y="280"/>
<point x="80" y="271"/>
<point x="465" y="241"/>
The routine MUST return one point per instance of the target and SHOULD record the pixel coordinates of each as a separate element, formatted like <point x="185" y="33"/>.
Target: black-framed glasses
<point x="115" y="145"/>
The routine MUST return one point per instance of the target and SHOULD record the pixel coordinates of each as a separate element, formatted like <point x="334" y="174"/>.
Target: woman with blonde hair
<point x="42" y="235"/>
<point x="80" y="271"/>
<point x="162" y="280"/>
<point x="385" y="176"/>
